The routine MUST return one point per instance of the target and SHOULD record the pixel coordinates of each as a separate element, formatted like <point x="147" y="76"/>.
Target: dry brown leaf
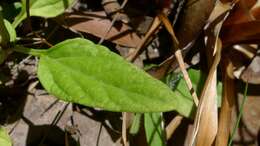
<point x="247" y="32"/>
<point x="206" y="124"/>
<point x="228" y="96"/>
<point x="242" y="26"/>
<point x="192" y="20"/>
<point x="256" y="13"/>
<point x="242" y="12"/>
<point x="206" y="120"/>
<point x="96" y="23"/>
<point x="113" y="8"/>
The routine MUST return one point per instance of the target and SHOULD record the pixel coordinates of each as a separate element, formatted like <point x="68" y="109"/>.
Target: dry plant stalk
<point x="228" y="96"/>
<point x="205" y="127"/>
<point x="179" y="57"/>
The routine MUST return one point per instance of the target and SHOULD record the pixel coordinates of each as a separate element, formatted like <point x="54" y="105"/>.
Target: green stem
<point x="18" y="20"/>
<point x="239" y="116"/>
<point x="34" y="52"/>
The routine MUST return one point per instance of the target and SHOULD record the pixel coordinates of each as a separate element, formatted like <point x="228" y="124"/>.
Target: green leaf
<point x="11" y="30"/>
<point x="43" y="8"/>
<point x="4" y="36"/>
<point x="82" y="72"/>
<point x="153" y="129"/>
<point x="5" y="140"/>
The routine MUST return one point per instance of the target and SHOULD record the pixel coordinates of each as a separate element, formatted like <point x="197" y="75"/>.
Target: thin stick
<point x="124" y="129"/>
<point x="112" y="23"/>
<point x="99" y="133"/>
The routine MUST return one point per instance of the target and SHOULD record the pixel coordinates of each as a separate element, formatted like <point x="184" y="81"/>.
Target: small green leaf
<point x="43" y="8"/>
<point x="177" y="83"/>
<point x="82" y="72"/>
<point x="11" y="30"/>
<point x="135" y="127"/>
<point x="5" y="140"/>
<point x="154" y="130"/>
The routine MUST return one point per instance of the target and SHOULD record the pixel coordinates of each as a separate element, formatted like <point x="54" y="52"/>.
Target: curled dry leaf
<point x="242" y="12"/>
<point x="243" y="27"/>
<point x="206" y="120"/>
<point x="206" y="123"/>
<point x="96" y="23"/>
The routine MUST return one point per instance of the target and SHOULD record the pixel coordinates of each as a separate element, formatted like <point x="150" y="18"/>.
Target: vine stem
<point x="34" y="52"/>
